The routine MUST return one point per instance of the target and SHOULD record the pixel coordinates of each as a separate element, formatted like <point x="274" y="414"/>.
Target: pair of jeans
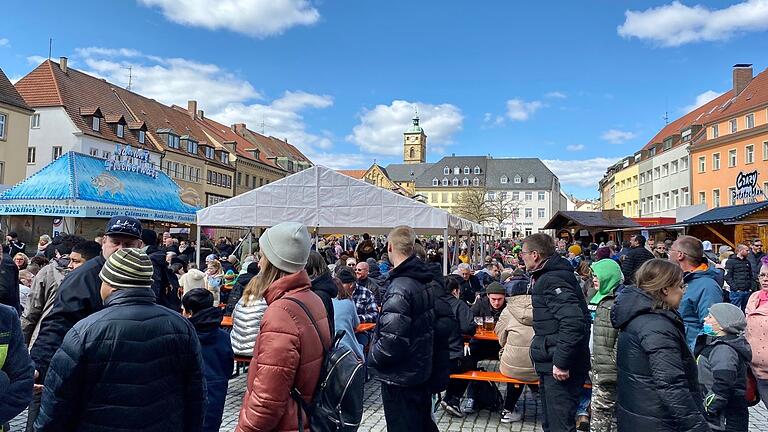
<point x="584" y="398"/>
<point x="740" y="298"/>
<point x="559" y="400"/>
<point x="407" y="408"/>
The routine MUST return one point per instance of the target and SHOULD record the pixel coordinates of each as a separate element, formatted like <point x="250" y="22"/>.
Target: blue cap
<point x="124" y="225"/>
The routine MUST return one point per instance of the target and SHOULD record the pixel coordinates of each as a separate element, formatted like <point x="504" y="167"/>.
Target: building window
<point x="652" y="152"/>
<point x="642" y="178"/>
<point x="715" y="161"/>
<point x="518" y="179"/>
<point x="466" y="170"/>
<point x="749" y="154"/>
<point x="732" y="158"/>
<point x="684" y="163"/>
<point x="465" y="182"/>
<point x="749" y="120"/>
<point x="732" y="126"/>
<point x="731" y="198"/>
<point x="656" y="173"/>
<point x="455" y="182"/>
<point x="191" y="146"/>
<point x="658" y="202"/>
<point x="664" y="170"/>
<point x="240" y="179"/>
<point x="650" y="205"/>
<point x="529" y="196"/>
<point x="531" y="179"/>
<point x="35" y="121"/>
<point x="253" y="182"/>
<point x="456" y="170"/>
<point x="702" y="163"/>
<point x="666" y="201"/>
<point x="541" y="213"/>
<point x="541" y="196"/>
<point x="95" y="124"/>
<point x="765" y="150"/>
<point x="503" y="180"/>
<point x="491" y="196"/>
<point x="225" y="158"/>
<point x="435" y="182"/>
<point x="475" y="182"/>
<point x="716" y="197"/>
<point x="528" y="213"/>
<point x="56" y="152"/>
<point x="173" y="141"/>
<point x="477" y="170"/>
<point x="715" y="131"/>
<point x="503" y="195"/>
<point x="516" y="196"/>
<point x="31" y="152"/>
<point x="673" y="166"/>
<point x="209" y="152"/>
<point x="445" y="182"/>
<point x="142" y="136"/>
<point x="184" y="172"/>
<point x="686" y="197"/>
<point x="120" y="130"/>
<point x="444" y="197"/>
<point x="667" y="143"/>
<point x="94" y="152"/>
<point x="168" y="170"/>
<point x="675" y="199"/>
<point x="446" y="171"/>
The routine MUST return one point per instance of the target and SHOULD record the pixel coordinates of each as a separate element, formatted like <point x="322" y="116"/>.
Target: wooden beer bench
<point x="497" y="377"/>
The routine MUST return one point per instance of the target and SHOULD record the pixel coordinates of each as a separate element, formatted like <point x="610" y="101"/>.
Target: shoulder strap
<point x="311" y="318"/>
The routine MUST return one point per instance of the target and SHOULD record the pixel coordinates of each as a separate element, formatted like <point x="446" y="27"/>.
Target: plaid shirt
<point x="367" y="310"/>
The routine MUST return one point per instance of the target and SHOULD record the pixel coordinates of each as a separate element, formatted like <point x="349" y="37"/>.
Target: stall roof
<point x="603" y="219"/>
<point x="726" y="214"/>
<point x="79" y="185"/>
<point x="332" y="202"/>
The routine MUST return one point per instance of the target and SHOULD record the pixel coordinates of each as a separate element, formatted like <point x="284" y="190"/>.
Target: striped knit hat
<point x="127" y="268"/>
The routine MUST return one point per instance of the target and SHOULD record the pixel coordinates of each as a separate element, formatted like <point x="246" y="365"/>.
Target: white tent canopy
<point x="331" y="202"/>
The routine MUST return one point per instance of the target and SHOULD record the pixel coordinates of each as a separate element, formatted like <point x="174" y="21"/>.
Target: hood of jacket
<point x="293" y="282"/>
<point x="195" y="274"/>
<point x="413" y="268"/>
<point x="325" y="284"/>
<point x="710" y="272"/>
<point x="554" y="263"/>
<point x="520" y="307"/>
<point x="632" y="303"/>
<point x="737" y="342"/>
<point x="206" y="320"/>
<point x="130" y="296"/>
<point x="608" y="275"/>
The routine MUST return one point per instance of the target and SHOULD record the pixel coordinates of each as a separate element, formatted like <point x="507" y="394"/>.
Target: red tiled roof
<point x="9" y="95"/>
<point x="272" y="147"/>
<point x="695" y="117"/>
<point x="755" y="94"/>
<point x="80" y="94"/>
<point x="357" y="174"/>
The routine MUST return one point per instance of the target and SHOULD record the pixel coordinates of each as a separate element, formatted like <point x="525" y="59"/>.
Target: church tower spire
<point x="414" y="143"/>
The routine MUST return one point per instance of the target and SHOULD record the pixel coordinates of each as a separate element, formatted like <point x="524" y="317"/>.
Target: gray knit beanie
<point x="286" y="246"/>
<point x="730" y="317"/>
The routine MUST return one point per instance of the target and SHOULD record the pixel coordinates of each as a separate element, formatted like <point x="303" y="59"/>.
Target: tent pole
<point x="197" y="247"/>
<point x="445" y="252"/>
<point x="250" y="241"/>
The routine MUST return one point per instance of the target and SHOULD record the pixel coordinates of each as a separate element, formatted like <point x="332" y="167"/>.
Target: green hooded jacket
<point x="604" y="336"/>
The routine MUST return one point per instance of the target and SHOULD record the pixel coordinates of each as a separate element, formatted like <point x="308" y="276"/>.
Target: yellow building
<point x="626" y="191"/>
<point x="14" y="133"/>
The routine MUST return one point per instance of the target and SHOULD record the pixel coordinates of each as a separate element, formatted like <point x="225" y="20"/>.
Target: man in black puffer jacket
<point x="401" y="352"/>
<point x="636" y="256"/>
<point x="165" y="284"/>
<point x="738" y="275"/>
<point x="561" y="325"/>
<point x="134" y="365"/>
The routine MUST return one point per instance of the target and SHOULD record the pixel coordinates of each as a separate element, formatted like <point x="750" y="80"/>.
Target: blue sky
<point x="578" y="84"/>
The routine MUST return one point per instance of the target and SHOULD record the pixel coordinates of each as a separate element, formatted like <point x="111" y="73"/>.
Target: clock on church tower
<point x="414" y="144"/>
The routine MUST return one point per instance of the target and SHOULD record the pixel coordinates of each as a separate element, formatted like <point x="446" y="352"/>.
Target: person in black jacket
<point x="459" y="361"/>
<point x="79" y="294"/>
<point x="134" y="365"/>
<point x="165" y="284"/>
<point x="16" y="372"/>
<point x="240" y="283"/>
<point x="561" y="325"/>
<point x="657" y="383"/>
<point x="471" y="288"/>
<point x="636" y="256"/>
<point x="9" y="283"/>
<point x="754" y="257"/>
<point x="218" y="358"/>
<point x="401" y="353"/>
<point x="738" y="275"/>
<point x="322" y="284"/>
<point x="14" y="246"/>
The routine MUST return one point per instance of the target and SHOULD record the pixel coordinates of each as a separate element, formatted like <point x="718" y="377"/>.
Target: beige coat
<point x="515" y="332"/>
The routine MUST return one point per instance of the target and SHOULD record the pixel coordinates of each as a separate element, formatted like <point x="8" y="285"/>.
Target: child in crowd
<point x="723" y="356"/>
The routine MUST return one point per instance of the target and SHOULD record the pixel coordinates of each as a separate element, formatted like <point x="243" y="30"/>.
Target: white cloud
<point x="493" y="120"/>
<point x="36" y="60"/>
<point x="700" y="100"/>
<point x="556" y="95"/>
<point x="615" y="136"/>
<point x="380" y="130"/>
<point x="575" y="147"/>
<point x="677" y="24"/>
<point x="520" y="110"/>
<point x="221" y="94"/>
<point x="4" y="42"/>
<point x="579" y="173"/>
<point x="259" y="18"/>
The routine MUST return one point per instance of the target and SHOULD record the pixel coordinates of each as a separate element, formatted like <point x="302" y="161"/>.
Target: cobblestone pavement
<point x="373" y="417"/>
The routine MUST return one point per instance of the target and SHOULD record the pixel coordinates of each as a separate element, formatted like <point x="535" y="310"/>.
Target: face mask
<point x="708" y="330"/>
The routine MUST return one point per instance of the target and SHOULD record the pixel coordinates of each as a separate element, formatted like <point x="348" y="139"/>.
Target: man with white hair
<point x="470" y="286"/>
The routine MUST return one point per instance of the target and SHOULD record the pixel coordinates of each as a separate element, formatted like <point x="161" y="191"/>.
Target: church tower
<point x="414" y="143"/>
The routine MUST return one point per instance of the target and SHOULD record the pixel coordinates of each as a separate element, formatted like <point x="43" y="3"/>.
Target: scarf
<point x="762" y="298"/>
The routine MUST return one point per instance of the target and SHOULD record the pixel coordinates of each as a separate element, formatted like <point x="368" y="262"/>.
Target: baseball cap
<point x="124" y="225"/>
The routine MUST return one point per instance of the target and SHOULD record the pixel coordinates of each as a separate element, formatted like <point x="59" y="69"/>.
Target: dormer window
<point x="95" y="124"/>
<point x="518" y="179"/>
<point x="142" y="137"/>
<point x="455" y="182"/>
<point x="504" y="179"/>
<point x="668" y="143"/>
<point x="446" y="171"/>
<point x="173" y="141"/>
<point x="466" y="170"/>
<point x="435" y="182"/>
<point x="256" y="153"/>
<point x="209" y="153"/>
<point x="120" y="130"/>
<point x="465" y="182"/>
<point x="225" y="157"/>
<point x="445" y="182"/>
<point x="477" y="170"/>
<point x="531" y="179"/>
<point x="190" y="145"/>
<point x="475" y="182"/>
<point x="456" y="170"/>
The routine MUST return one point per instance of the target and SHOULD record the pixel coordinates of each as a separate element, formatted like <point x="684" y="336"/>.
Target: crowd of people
<point x="124" y="332"/>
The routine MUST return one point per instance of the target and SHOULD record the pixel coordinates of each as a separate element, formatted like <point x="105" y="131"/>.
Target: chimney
<point x="239" y="128"/>
<point x="63" y="64"/>
<point x="742" y="75"/>
<point x="200" y="114"/>
<point x="192" y="108"/>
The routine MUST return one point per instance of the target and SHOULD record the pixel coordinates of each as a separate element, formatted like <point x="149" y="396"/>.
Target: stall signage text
<point x="127" y="158"/>
<point x="747" y="187"/>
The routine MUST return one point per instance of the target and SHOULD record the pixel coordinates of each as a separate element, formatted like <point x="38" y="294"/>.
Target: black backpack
<point x="486" y="396"/>
<point x="337" y="404"/>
